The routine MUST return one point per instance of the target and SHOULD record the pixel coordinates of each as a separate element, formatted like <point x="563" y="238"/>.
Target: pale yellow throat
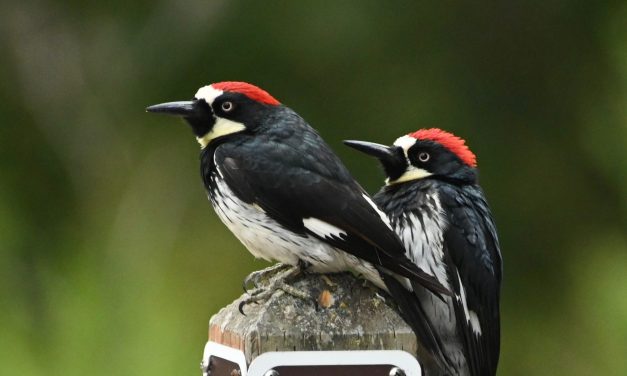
<point x="411" y="174"/>
<point x="222" y="127"/>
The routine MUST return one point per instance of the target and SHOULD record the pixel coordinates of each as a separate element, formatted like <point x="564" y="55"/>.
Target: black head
<point x="422" y="154"/>
<point x="221" y="109"/>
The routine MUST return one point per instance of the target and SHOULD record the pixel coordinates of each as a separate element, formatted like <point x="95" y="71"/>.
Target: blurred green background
<point x="111" y="258"/>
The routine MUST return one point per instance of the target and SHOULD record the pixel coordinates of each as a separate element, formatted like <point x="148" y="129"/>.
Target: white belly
<point x="267" y="239"/>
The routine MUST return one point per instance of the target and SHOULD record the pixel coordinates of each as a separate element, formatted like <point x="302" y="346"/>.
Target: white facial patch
<point x="222" y="127"/>
<point x="412" y="173"/>
<point x="208" y="93"/>
<point x="405" y="142"/>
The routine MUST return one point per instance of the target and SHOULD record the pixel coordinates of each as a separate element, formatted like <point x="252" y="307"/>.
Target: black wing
<point x="292" y="180"/>
<point x="430" y="349"/>
<point x="472" y="244"/>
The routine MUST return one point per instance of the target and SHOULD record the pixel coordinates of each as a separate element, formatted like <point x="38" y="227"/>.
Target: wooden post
<point x="350" y="315"/>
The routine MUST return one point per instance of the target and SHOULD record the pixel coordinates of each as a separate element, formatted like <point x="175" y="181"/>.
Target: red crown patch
<point x="448" y="140"/>
<point x="251" y="91"/>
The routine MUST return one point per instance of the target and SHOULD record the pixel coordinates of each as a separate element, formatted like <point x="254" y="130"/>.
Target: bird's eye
<point x="423" y="156"/>
<point x="227" y="106"/>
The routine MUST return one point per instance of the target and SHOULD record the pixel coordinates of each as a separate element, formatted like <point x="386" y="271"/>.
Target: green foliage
<point x="112" y="260"/>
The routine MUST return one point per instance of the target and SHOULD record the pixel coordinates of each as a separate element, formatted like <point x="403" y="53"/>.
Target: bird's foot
<point x="256" y="277"/>
<point x="277" y="283"/>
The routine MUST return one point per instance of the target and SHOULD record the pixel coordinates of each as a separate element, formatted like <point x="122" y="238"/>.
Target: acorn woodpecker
<point x="283" y="193"/>
<point x="436" y="206"/>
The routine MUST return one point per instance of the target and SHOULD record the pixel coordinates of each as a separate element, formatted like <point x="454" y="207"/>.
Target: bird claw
<point x="276" y="283"/>
<point x="242" y="304"/>
<point x="256" y="277"/>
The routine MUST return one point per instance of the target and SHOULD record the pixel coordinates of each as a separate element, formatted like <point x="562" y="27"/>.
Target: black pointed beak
<point x="196" y="113"/>
<point x="382" y="152"/>
<point x="391" y="157"/>
<point x="184" y="108"/>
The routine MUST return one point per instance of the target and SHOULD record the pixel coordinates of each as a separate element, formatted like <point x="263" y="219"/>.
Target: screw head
<point x="397" y="372"/>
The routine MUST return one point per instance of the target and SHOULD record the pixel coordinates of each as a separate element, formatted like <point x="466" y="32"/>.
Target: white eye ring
<point x="423" y="156"/>
<point x="227" y="106"/>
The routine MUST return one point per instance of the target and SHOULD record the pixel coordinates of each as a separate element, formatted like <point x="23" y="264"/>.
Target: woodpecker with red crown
<point x="437" y="208"/>
<point x="285" y="195"/>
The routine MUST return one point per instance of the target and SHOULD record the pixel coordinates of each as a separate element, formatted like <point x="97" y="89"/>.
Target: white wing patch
<point x="384" y="217"/>
<point x="461" y="297"/>
<point x="216" y="164"/>
<point x="322" y="228"/>
<point x="474" y="322"/>
<point x="471" y="316"/>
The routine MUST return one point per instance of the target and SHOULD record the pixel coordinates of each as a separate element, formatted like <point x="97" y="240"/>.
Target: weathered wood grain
<point x="356" y="318"/>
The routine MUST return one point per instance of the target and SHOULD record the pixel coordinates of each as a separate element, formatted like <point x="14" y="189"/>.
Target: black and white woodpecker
<point x="285" y="195"/>
<point x="433" y="200"/>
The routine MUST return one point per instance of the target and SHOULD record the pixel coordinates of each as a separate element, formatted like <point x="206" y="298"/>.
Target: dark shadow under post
<point x="350" y="315"/>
